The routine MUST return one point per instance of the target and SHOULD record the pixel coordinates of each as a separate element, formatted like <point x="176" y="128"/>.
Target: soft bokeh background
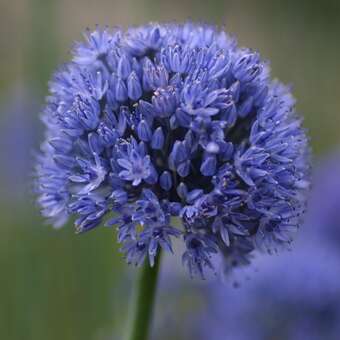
<point x="54" y="284"/>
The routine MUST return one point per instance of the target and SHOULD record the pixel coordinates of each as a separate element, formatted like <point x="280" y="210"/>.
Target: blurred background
<point x="55" y="284"/>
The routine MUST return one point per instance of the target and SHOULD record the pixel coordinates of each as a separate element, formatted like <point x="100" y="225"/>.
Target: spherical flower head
<point x="176" y="132"/>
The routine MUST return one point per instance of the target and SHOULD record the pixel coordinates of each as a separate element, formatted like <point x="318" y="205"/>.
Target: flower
<point x="295" y="297"/>
<point x="174" y="122"/>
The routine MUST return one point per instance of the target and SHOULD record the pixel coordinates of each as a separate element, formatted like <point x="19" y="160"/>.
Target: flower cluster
<point x="295" y="297"/>
<point x="169" y="122"/>
<point x="303" y="305"/>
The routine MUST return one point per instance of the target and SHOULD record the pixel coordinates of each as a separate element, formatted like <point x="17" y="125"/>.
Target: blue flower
<point x="136" y="167"/>
<point x="177" y="132"/>
<point x="295" y="297"/>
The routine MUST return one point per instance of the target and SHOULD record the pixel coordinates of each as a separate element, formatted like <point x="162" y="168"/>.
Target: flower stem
<point x="142" y="301"/>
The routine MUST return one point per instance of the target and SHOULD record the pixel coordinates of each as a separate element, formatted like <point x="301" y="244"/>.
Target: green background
<point x="55" y="284"/>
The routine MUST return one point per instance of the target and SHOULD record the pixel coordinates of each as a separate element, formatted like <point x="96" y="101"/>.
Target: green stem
<point x="142" y="301"/>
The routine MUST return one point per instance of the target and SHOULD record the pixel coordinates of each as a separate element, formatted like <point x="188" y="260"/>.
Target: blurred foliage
<point x="41" y="44"/>
<point x="55" y="284"/>
<point x="58" y="285"/>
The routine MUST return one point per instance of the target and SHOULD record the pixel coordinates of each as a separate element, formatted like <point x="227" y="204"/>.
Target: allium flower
<point x="165" y="121"/>
<point x="295" y="297"/>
